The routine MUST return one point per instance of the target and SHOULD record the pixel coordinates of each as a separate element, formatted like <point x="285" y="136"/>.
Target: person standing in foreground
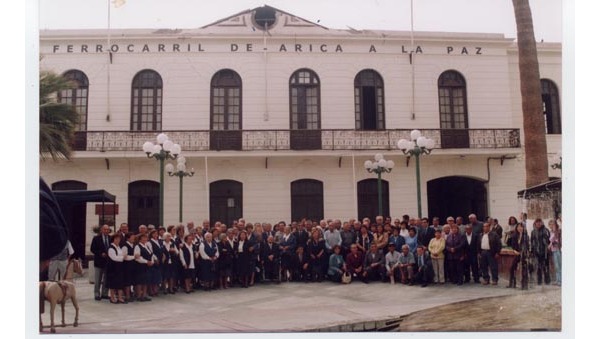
<point x="455" y="247"/>
<point x="520" y="244"/>
<point x="99" y="248"/>
<point x="555" y="247"/>
<point x="471" y="259"/>
<point x="489" y="251"/>
<point x="58" y="264"/>
<point x="437" y="246"/>
<point x="540" y="240"/>
<point x="114" y="270"/>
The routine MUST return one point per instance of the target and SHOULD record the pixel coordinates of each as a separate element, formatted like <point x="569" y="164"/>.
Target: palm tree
<point x="536" y="160"/>
<point x="57" y="120"/>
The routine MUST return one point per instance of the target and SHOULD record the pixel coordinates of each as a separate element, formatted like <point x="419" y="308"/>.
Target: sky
<point x="481" y="16"/>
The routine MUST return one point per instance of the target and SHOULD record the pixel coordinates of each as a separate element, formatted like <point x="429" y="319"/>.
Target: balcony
<point x="276" y="140"/>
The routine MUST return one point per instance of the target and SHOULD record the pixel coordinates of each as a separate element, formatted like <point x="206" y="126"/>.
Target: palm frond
<point x="57" y="120"/>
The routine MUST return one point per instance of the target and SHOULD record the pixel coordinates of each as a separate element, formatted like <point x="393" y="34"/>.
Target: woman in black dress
<point x="187" y="256"/>
<point x="243" y="252"/>
<point x="209" y="253"/>
<point x="225" y="262"/>
<point x="143" y="257"/>
<point x="170" y="262"/>
<point x="114" y="270"/>
<point x="129" y="266"/>
<point x="155" y="270"/>
<point x="316" y="251"/>
<point x="520" y="244"/>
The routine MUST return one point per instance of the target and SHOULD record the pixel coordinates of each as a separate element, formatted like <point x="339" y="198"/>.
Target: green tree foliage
<point x="57" y="120"/>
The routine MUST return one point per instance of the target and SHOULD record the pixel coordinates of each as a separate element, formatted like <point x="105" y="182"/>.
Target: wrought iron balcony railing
<point x="275" y="140"/>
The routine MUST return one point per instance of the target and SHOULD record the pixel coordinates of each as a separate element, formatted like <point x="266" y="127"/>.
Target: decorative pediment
<point x="235" y="21"/>
<point x="263" y="17"/>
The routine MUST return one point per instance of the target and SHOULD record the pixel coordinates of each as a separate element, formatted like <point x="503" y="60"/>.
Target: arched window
<point x="77" y="96"/>
<point x="307" y="199"/>
<point x="368" y="101"/>
<point x="305" y="100"/>
<point x="551" y="107"/>
<point x="452" y="90"/>
<point x="454" y="122"/>
<point x="226" y="101"/>
<point x="146" y="101"/>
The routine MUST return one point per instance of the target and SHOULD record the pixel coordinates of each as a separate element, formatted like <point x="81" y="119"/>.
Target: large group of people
<point x="157" y="260"/>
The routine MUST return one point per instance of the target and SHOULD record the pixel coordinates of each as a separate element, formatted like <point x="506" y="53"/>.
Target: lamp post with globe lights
<point x="164" y="149"/>
<point x="417" y="146"/>
<point x="379" y="166"/>
<point x="557" y="162"/>
<point x="181" y="172"/>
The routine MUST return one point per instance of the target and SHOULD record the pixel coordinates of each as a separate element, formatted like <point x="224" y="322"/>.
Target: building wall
<point x="265" y="85"/>
<point x="493" y="101"/>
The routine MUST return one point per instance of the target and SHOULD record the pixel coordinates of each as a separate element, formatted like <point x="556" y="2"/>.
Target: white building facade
<point x="278" y="114"/>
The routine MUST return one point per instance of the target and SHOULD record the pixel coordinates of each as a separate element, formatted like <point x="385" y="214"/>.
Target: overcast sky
<point x="483" y="16"/>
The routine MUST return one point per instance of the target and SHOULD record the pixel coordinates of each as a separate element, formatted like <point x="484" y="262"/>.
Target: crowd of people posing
<point x="408" y="250"/>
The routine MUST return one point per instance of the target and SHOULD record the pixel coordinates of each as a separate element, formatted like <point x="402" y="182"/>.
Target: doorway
<point x="456" y="196"/>
<point x="226" y="201"/>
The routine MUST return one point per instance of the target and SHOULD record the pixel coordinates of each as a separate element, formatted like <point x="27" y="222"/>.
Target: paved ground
<point x="278" y="308"/>
<point x="523" y="311"/>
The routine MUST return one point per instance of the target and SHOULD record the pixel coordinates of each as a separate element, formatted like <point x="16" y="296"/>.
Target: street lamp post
<point x="415" y="147"/>
<point x="380" y="165"/>
<point x="557" y="162"/>
<point x="164" y="149"/>
<point x="181" y="172"/>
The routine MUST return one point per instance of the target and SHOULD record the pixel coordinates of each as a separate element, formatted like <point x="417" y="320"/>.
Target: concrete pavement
<point x="267" y="307"/>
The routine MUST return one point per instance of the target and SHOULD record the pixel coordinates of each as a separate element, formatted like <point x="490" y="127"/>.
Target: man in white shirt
<point x="392" y="259"/>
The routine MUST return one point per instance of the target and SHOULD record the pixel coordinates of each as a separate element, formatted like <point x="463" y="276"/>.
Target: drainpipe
<point x="502" y="158"/>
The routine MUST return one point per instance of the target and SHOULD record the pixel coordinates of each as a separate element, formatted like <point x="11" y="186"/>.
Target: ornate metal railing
<point x="274" y="140"/>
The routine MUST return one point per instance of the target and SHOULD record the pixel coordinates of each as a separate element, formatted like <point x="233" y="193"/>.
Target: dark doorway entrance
<point x="307" y="199"/>
<point x="368" y="203"/>
<point x="225" y="201"/>
<point x="75" y="215"/>
<point x="456" y="196"/>
<point x="143" y="206"/>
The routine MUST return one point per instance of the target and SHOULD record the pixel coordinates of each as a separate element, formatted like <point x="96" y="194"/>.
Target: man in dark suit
<point x="99" y="248"/>
<point x="489" y="246"/>
<point x="269" y="257"/>
<point x="374" y="265"/>
<point x="300" y="265"/>
<point x="424" y="268"/>
<point x="301" y="235"/>
<point x="471" y="258"/>
<point x="455" y="247"/>
<point x="426" y="233"/>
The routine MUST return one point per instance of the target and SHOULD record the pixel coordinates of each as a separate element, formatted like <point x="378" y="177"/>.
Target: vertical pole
<point x="379" y="193"/>
<point x="180" y="197"/>
<point x="418" y="168"/>
<point x="162" y="188"/>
